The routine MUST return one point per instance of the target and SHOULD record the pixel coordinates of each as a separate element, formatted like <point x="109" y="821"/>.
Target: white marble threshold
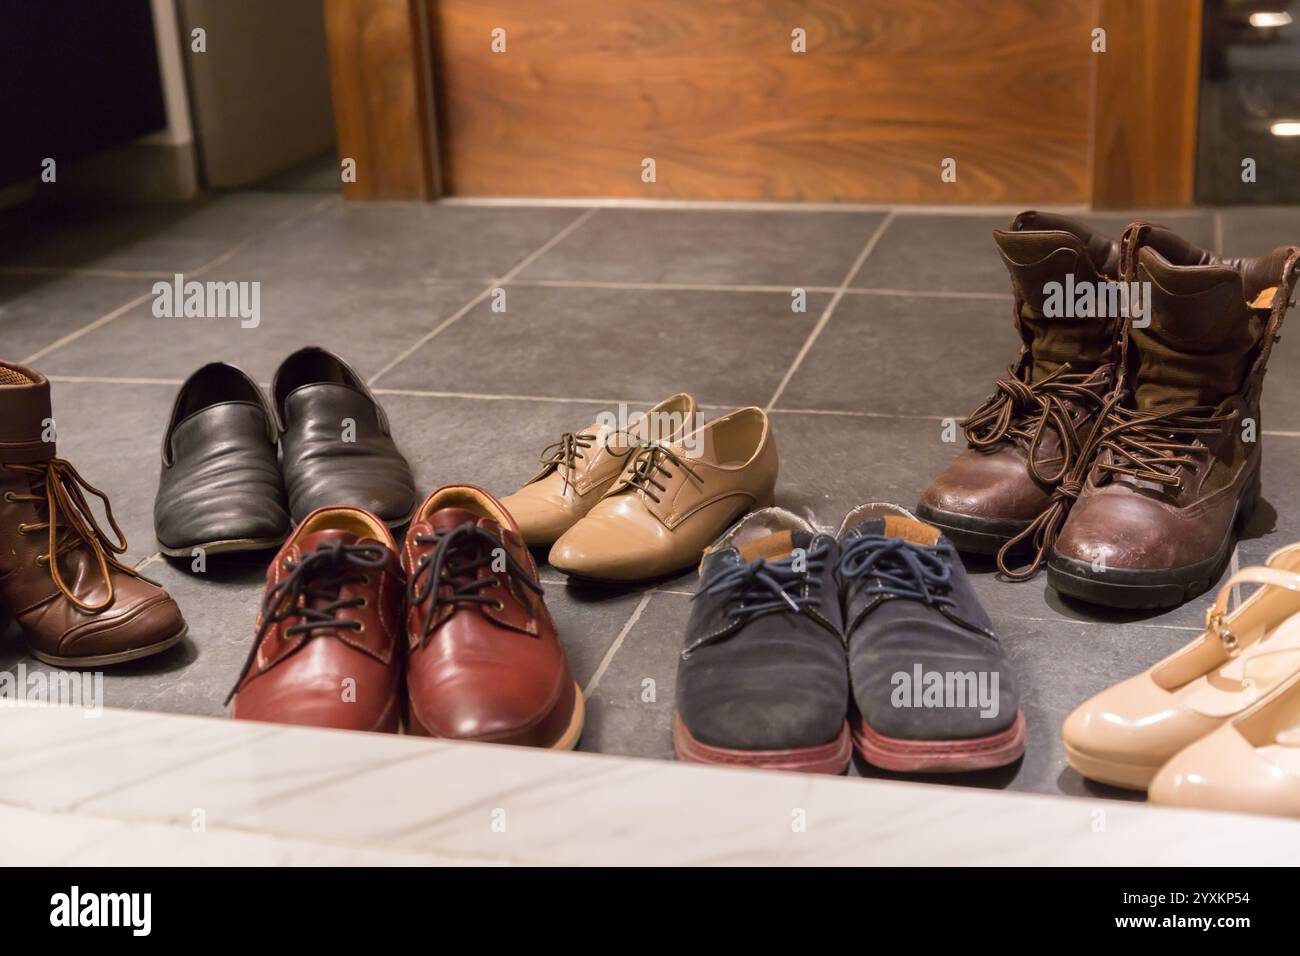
<point x="131" y="787"/>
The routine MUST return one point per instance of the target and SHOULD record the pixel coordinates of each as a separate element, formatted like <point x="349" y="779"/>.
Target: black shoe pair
<point x="239" y="471"/>
<point x="803" y="645"/>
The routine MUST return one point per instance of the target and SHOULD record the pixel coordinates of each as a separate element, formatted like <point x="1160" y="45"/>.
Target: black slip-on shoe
<point x="931" y="688"/>
<point x="220" y="488"/>
<point x="762" y="680"/>
<point x="335" y="441"/>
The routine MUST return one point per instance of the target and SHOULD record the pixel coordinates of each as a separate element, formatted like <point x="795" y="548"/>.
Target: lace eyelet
<point x="9" y="497"/>
<point x="43" y="560"/>
<point x="500" y="605"/>
<point x="360" y="628"/>
<point x="365" y="580"/>
<point x="365" y="602"/>
<point x="23" y="528"/>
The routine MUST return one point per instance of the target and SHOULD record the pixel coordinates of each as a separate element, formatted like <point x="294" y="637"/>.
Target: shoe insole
<point x="1246" y="678"/>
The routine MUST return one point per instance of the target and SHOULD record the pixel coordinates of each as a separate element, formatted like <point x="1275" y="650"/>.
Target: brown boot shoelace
<point x="565" y="455"/>
<point x="1024" y="411"/>
<point x="64" y="500"/>
<point x="1143" y="445"/>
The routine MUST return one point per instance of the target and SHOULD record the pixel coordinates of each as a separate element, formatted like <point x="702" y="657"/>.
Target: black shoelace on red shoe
<point x="449" y="574"/>
<point x="319" y="576"/>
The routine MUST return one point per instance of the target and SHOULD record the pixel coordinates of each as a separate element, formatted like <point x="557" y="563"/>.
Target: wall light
<point x="1268" y="20"/>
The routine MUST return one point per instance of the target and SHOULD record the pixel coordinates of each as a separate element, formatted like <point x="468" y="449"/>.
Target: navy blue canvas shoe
<point x="931" y="687"/>
<point x="762" y="680"/>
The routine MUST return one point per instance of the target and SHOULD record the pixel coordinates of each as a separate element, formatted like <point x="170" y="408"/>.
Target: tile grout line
<point x="85" y="329"/>
<point x="743" y="287"/>
<point x="570" y="400"/>
<point x="618" y="643"/>
<point x="562" y="582"/>
<point x="123" y="309"/>
<point x="74" y="271"/>
<point x="503" y="280"/>
<point x="830" y="308"/>
<point x="156" y="556"/>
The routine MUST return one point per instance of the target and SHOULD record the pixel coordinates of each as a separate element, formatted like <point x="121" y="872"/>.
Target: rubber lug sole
<point x="969" y="534"/>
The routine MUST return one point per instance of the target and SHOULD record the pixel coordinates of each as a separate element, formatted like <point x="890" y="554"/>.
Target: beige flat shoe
<point x="1251" y="764"/>
<point x="672" y="500"/>
<point x="579" y="468"/>
<point x="1125" y="734"/>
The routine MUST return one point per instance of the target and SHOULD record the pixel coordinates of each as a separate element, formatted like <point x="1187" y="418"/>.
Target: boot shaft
<point x="26" y="422"/>
<point x="1050" y="259"/>
<point x="1207" y="325"/>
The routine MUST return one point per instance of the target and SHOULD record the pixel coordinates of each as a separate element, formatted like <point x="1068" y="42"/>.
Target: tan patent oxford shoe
<point x="1125" y="734"/>
<point x="578" y="469"/>
<point x="672" y="500"/>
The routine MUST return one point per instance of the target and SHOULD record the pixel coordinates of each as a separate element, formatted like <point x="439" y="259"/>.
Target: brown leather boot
<point x="77" y="604"/>
<point x="1174" y="466"/>
<point x="1027" y="434"/>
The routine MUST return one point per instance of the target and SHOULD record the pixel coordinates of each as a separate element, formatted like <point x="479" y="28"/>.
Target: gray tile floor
<point x="907" y="322"/>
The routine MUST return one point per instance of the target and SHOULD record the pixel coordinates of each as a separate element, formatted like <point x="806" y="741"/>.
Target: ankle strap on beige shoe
<point x="1216" y="616"/>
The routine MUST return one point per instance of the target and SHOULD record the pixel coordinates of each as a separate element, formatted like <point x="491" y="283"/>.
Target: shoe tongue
<point x="1036" y="260"/>
<point x="899" y="526"/>
<point x="774" y="547"/>
<point x="26" y="419"/>
<point x="1198" y="338"/>
<point x="318" y="539"/>
<point x="444" y="519"/>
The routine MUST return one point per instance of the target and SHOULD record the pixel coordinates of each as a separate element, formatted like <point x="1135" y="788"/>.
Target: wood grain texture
<point x="713" y="93"/>
<point x="380" y="84"/>
<point x="1148" y="84"/>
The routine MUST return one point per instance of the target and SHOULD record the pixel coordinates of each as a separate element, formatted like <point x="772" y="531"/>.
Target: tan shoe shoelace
<point x="64" y="501"/>
<point x="648" y="461"/>
<point x="1025" y="411"/>
<point x="564" y="455"/>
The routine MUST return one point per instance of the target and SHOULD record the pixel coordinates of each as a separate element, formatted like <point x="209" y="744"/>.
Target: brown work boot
<point x="78" y="606"/>
<point x="1175" y="466"/>
<point x="1026" y="436"/>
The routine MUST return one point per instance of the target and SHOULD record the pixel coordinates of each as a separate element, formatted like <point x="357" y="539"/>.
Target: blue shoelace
<point x="896" y="567"/>
<point x="762" y="586"/>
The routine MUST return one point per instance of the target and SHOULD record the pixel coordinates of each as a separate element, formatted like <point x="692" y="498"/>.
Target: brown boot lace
<point x="64" y="500"/>
<point x="1143" y="445"/>
<point x="1024" y="411"/>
